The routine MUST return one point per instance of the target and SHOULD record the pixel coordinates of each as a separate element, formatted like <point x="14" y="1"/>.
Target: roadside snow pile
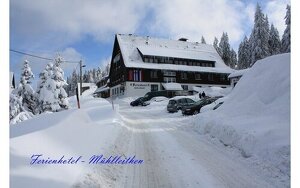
<point x="70" y="133"/>
<point x="213" y="91"/>
<point x="255" y="116"/>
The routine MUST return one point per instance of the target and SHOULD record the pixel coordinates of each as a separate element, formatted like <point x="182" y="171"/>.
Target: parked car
<point x="139" y="102"/>
<point x="218" y="105"/>
<point x="212" y="106"/>
<point x="195" y="108"/>
<point x="165" y="93"/>
<point x="176" y="104"/>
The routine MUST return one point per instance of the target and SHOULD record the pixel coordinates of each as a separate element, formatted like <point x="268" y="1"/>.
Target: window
<point x="169" y="79"/>
<point x="222" y="77"/>
<point x="210" y="77"/>
<point x="135" y="75"/>
<point x="154" y="87"/>
<point x="155" y="60"/>
<point x="189" y="100"/>
<point x="185" y="87"/>
<point x="197" y="76"/>
<point x="169" y="73"/>
<point x="117" y="58"/>
<point x="151" y="60"/>
<point x="153" y="74"/>
<point x="146" y="59"/>
<point x="184" y="76"/>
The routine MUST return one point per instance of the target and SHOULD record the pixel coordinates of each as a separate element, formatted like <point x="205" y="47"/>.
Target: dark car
<point x="139" y="102"/>
<point x="176" y="104"/>
<point x="195" y="108"/>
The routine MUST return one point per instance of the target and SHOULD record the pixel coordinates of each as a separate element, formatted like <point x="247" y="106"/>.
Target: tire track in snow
<point x="178" y="159"/>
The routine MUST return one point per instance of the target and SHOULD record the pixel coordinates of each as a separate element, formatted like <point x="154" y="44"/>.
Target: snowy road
<point x="173" y="156"/>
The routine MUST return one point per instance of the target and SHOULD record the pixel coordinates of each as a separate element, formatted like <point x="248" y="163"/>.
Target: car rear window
<point x="172" y="102"/>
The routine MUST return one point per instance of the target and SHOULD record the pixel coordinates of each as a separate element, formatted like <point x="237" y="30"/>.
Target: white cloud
<point x="250" y="11"/>
<point x="63" y="22"/>
<point x="194" y="18"/>
<point x="55" y="24"/>
<point x="276" y="11"/>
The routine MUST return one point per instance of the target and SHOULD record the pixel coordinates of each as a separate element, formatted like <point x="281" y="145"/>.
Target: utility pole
<point x="80" y="77"/>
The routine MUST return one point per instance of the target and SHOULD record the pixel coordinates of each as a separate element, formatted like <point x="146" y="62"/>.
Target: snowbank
<point x="255" y="116"/>
<point x="90" y="91"/>
<point x="213" y="91"/>
<point x="86" y="131"/>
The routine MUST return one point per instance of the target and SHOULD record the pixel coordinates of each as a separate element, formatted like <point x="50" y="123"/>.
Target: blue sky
<point x="85" y="29"/>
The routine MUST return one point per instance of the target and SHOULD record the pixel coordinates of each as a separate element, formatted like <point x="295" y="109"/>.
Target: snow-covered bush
<point x="17" y="112"/>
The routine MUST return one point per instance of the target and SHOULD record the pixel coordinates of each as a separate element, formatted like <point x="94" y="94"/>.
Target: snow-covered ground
<point x="255" y="116"/>
<point x="173" y="153"/>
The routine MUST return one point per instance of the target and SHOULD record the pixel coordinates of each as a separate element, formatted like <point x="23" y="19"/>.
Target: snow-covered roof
<point x="86" y="84"/>
<point x="172" y="86"/>
<point x="100" y="89"/>
<point x="238" y="73"/>
<point x="176" y="53"/>
<point x="130" y="44"/>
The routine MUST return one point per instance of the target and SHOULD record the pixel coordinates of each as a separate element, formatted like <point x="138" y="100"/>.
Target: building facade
<point x="142" y="64"/>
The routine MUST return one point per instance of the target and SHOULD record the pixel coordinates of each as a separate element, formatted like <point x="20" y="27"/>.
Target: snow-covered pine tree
<point x="74" y="82"/>
<point x="259" y="39"/>
<point x="215" y="44"/>
<point x="91" y="78"/>
<point x="44" y="75"/>
<point x="224" y="47"/>
<point x="94" y="75"/>
<point x="52" y="95"/>
<point x="244" y="56"/>
<point x="68" y="86"/>
<point x="25" y="91"/>
<point x="203" y="40"/>
<point x="106" y="70"/>
<point x="85" y="77"/>
<point x="233" y="59"/>
<point x="58" y="76"/>
<point x="286" y="37"/>
<point x="26" y="72"/>
<point x="274" y="41"/>
<point x="98" y="74"/>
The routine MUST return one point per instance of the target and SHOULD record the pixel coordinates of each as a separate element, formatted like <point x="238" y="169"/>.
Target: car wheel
<point x="196" y="112"/>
